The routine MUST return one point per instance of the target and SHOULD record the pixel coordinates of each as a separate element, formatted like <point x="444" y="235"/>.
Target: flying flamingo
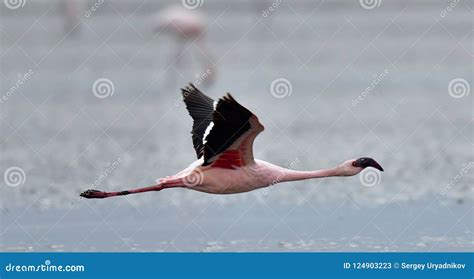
<point x="223" y="134"/>
<point x="186" y="26"/>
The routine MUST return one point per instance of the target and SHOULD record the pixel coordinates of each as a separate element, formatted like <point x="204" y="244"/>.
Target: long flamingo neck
<point x="292" y="175"/>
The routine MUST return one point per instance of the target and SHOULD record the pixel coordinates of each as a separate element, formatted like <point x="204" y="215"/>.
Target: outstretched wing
<point x="201" y="109"/>
<point x="231" y="129"/>
<point x="230" y="140"/>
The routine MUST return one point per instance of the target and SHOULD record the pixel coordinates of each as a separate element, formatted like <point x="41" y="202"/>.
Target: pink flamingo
<point x="72" y="11"/>
<point x="187" y="26"/>
<point x="223" y="134"/>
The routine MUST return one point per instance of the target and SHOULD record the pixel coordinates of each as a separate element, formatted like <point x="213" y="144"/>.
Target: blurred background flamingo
<point x="188" y="28"/>
<point x="72" y="11"/>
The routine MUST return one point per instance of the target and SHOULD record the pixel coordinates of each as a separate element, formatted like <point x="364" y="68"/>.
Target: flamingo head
<point x="355" y="166"/>
<point x="365" y="162"/>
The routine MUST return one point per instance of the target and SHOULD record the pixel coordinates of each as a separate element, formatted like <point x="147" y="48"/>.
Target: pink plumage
<point x="223" y="134"/>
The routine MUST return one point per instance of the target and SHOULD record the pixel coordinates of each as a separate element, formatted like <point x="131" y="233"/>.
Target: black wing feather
<point x="231" y="120"/>
<point x="201" y="109"/>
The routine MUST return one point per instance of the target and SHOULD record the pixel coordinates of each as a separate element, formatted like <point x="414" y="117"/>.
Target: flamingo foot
<point x="93" y="194"/>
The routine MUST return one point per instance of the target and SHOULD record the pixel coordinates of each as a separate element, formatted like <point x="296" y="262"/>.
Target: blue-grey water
<point x="364" y="82"/>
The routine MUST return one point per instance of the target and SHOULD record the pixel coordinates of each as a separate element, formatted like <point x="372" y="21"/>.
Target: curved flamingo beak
<point x="367" y="162"/>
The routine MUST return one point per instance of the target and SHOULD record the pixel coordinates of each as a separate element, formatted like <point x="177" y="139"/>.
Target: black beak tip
<point x="367" y="162"/>
<point x="375" y="165"/>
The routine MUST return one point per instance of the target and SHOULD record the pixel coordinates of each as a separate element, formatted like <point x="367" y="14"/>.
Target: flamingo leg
<point x="165" y="183"/>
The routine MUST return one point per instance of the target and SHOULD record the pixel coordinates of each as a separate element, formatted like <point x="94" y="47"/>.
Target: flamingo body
<point x="216" y="180"/>
<point x="181" y="22"/>
<point x="223" y="134"/>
